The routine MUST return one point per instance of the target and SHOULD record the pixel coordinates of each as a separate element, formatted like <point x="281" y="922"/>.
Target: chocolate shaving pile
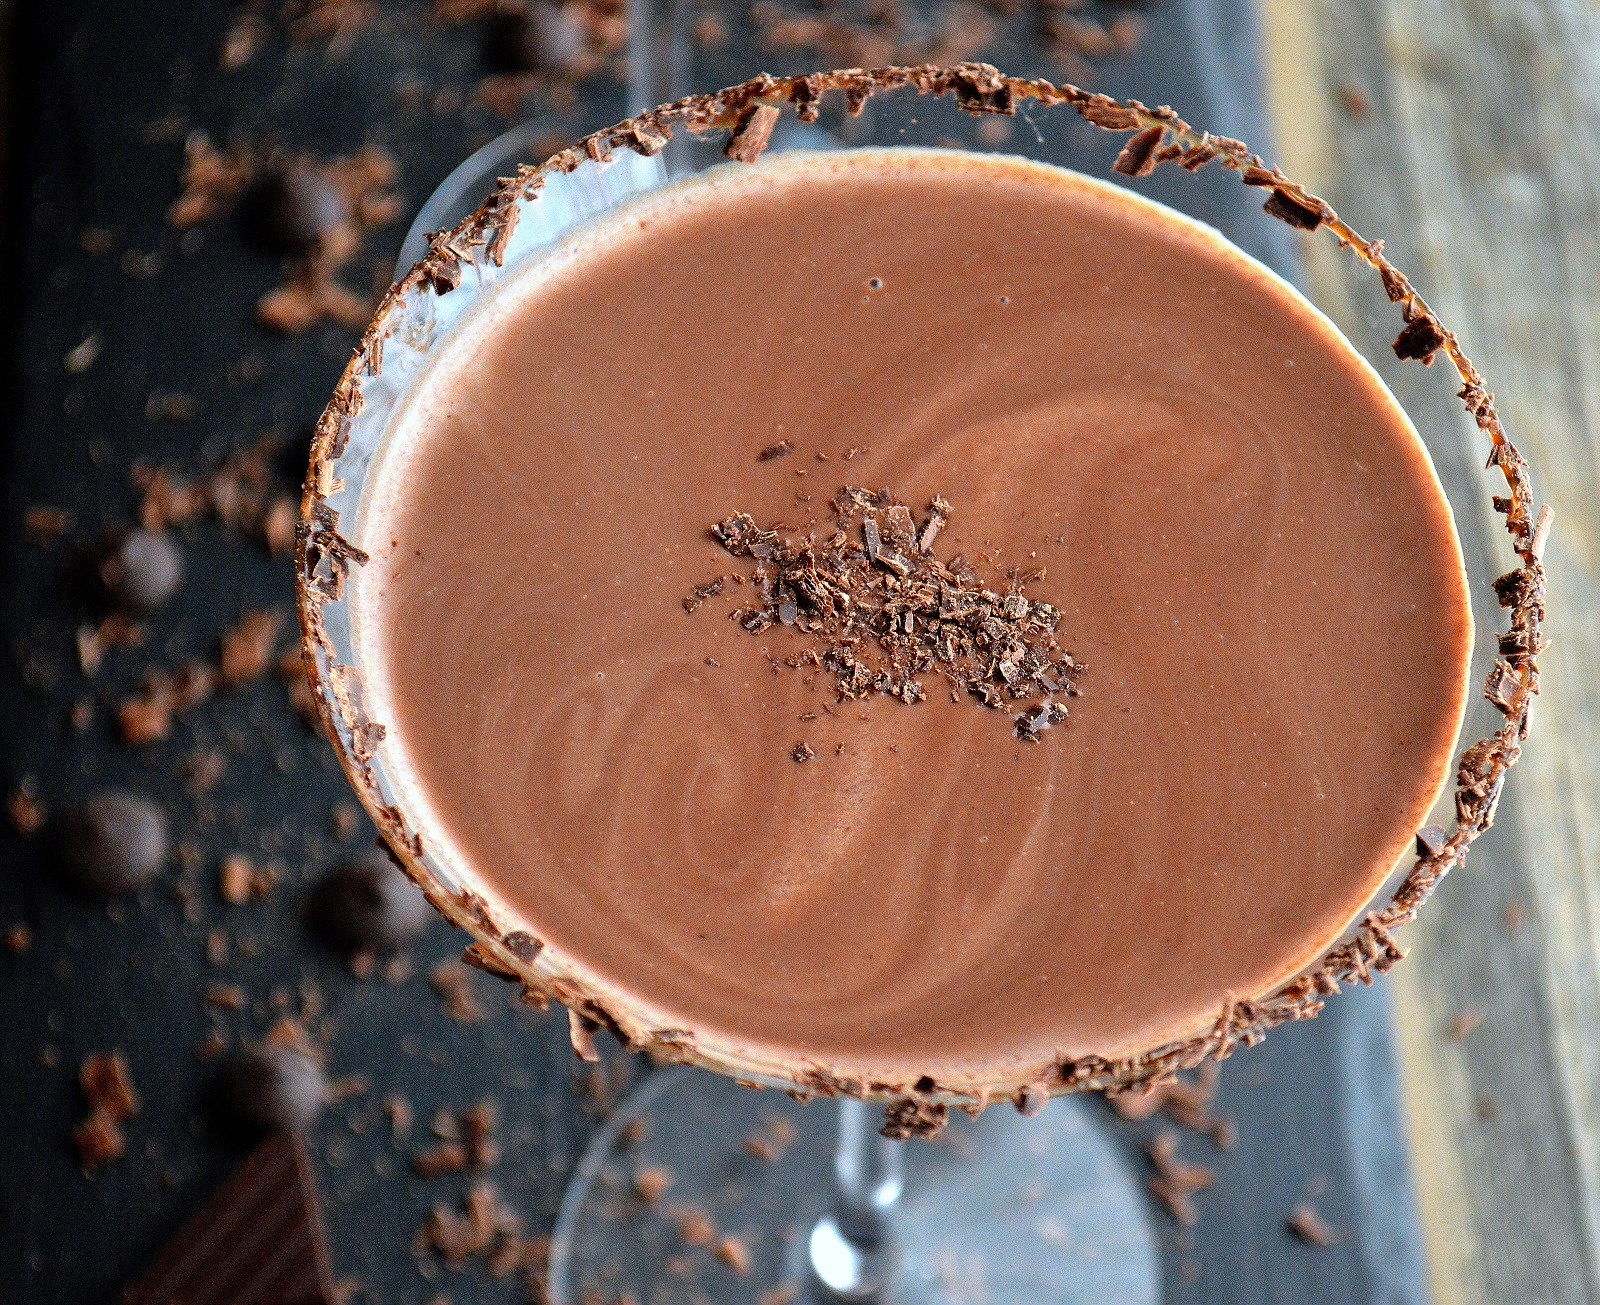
<point x="883" y="614"/>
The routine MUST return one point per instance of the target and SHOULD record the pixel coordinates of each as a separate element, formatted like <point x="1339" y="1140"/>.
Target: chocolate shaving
<point x="1176" y="1181"/>
<point x="914" y="1117"/>
<point x="752" y="134"/>
<point x="1420" y="340"/>
<point x="881" y="614"/>
<point x="1138" y="155"/>
<point x="1297" y="209"/>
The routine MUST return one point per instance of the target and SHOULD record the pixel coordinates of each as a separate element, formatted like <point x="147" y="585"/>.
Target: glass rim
<point x="747" y="113"/>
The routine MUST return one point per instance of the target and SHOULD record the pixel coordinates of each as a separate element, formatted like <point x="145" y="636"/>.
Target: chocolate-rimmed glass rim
<point x="417" y="306"/>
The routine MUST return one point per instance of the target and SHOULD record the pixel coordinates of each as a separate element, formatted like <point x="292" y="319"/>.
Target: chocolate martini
<point x="1238" y="536"/>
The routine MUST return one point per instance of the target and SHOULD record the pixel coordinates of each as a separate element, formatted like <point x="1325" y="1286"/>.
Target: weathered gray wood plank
<point x="1479" y="161"/>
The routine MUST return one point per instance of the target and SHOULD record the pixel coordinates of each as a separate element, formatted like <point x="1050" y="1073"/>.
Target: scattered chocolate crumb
<point x="99" y="1141"/>
<point x="783" y="448"/>
<point x="733" y="1252"/>
<point x="1185" y="1100"/>
<point x="224" y="996"/>
<point x="240" y="880"/>
<point x="446" y="1158"/>
<point x="477" y="1131"/>
<point x="171" y="405"/>
<point x="649" y="1184"/>
<point x="1354" y="100"/>
<point x="400" y="1116"/>
<point x="108" y="1086"/>
<point x="273" y="1086"/>
<point x="212" y="180"/>
<point x="146" y="717"/>
<point x="1311" y="1228"/>
<point x="1175" y="1180"/>
<point x="24" y="809"/>
<point x="42" y="524"/>
<point x="1031" y="1099"/>
<point x="142" y="570"/>
<point x="453" y="983"/>
<point x="772" y="1141"/>
<point x="694" y="1226"/>
<point x="247" y="648"/>
<point x="1465" y="1022"/>
<point x="82" y="356"/>
<point x="112" y="842"/>
<point x="245" y="37"/>
<point x="801" y="752"/>
<point x="333" y="21"/>
<point x="483" y="1223"/>
<point x="278" y="526"/>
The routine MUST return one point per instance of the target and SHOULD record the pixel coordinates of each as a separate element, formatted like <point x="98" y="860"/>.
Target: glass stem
<point x="658" y="52"/>
<point x="851" y="1246"/>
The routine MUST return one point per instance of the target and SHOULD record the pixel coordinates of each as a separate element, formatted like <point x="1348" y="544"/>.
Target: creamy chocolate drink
<point x="1240" y="535"/>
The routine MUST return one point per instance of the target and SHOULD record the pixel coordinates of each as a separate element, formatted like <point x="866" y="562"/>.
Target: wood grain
<point x="1478" y="158"/>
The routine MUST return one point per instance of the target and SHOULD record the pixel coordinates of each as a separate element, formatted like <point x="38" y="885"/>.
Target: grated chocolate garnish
<point x="883" y="615"/>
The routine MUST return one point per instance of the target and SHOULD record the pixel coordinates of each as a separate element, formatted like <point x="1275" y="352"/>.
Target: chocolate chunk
<point x="270" y="1087"/>
<point x="142" y="571"/>
<point x="260" y="1238"/>
<point x="112" y="842"/>
<point x="1297" y="210"/>
<point x="1420" y="340"/>
<point x="525" y="38"/>
<point x="300" y="208"/>
<point x="367" y="905"/>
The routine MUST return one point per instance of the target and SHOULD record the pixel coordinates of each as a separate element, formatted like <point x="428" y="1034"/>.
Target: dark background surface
<point x="102" y="97"/>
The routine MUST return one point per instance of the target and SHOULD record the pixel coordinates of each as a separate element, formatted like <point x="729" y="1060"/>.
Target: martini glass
<point x="700" y="1188"/>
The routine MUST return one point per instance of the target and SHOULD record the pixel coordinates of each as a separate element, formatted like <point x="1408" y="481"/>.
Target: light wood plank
<point x="1480" y="163"/>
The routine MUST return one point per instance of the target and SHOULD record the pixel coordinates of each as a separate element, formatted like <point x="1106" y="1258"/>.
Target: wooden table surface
<point x="1467" y="133"/>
